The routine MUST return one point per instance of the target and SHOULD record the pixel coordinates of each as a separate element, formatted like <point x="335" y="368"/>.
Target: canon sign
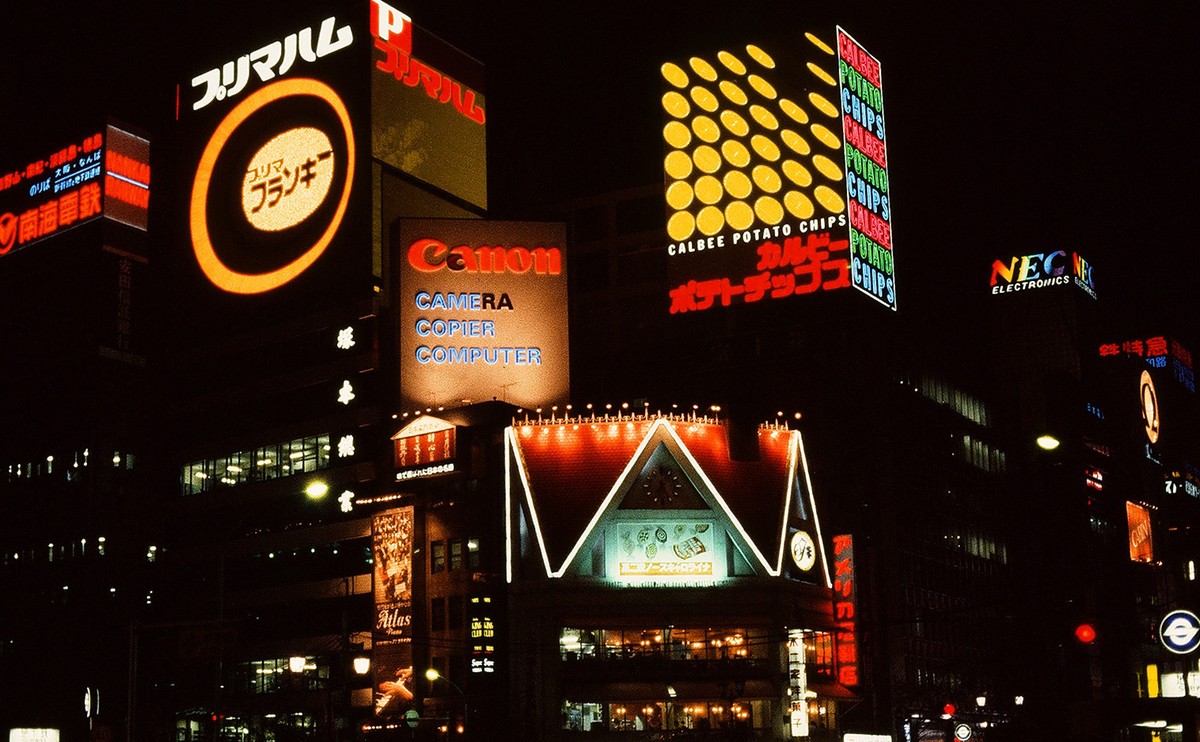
<point x="430" y="256"/>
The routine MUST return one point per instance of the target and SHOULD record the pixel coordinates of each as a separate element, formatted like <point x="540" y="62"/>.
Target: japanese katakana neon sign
<point x="845" y="593"/>
<point x="261" y="215"/>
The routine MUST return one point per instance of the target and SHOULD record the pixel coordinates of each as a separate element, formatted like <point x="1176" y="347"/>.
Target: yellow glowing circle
<point x="825" y="136"/>
<point x="256" y="283"/>
<point x="704" y="98"/>
<point x="1149" y="399"/>
<point x="766" y="178"/>
<point x="703" y="69"/>
<point x="763" y="117"/>
<point x="735" y="153"/>
<point x="827" y="167"/>
<point x="708" y="190"/>
<point x="706" y="158"/>
<point x="768" y="209"/>
<point x="760" y="56"/>
<point x="676" y="105"/>
<point x="710" y="220"/>
<point x="798" y="205"/>
<point x="681" y="225"/>
<point x="678" y="165"/>
<point x="733" y="93"/>
<point x="822" y="104"/>
<point x="793" y="111"/>
<point x="674" y="74"/>
<point x="732" y="63"/>
<point x="706" y="129"/>
<point x="739" y="215"/>
<point x="818" y="43"/>
<point x="765" y="147"/>
<point x="821" y="74"/>
<point x="679" y="195"/>
<point x="737" y="184"/>
<point x="830" y="199"/>
<point x="797" y="173"/>
<point x="735" y="123"/>
<point x="764" y="88"/>
<point x="795" y="142"/>
<point x="677" y="134"/>
<point x="265" y="208"/>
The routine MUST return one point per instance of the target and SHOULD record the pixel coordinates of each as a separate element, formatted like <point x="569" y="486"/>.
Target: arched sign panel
<point x="272" y="186"/>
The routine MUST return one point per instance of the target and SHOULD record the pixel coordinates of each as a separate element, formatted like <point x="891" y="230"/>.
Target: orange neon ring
<point x="256" y="283"/>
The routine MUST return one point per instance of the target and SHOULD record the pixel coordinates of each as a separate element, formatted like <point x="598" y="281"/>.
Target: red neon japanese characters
<point x="844" y="601"/>
<point x="801" y="265"/>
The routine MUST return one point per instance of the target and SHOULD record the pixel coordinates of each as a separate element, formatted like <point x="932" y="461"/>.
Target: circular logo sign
<point x="272" y="186"/>
<point x="962" y="732"/>
<point x="804" y="551"/>
<point x="1179" y="632"/>
<point x="1149" y="407"/>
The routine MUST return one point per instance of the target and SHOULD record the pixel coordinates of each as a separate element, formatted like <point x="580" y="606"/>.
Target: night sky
<point x="1012" y="128"/>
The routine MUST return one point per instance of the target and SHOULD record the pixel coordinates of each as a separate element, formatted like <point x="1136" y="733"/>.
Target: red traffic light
<point x="948" y="709"/>
<point x="1085" y="633"/>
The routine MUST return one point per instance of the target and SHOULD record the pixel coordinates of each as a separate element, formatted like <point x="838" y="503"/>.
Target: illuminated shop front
<point x="677" y="564"/>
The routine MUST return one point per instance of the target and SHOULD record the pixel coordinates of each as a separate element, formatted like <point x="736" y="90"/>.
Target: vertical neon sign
<point x="844" y="599"/>
<point x="869" y="197"/>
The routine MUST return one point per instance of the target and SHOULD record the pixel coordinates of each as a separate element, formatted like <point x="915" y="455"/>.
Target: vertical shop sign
<point x="844" y="602"/>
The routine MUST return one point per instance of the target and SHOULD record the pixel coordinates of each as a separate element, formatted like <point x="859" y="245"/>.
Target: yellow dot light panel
<point x="750" y="155"/>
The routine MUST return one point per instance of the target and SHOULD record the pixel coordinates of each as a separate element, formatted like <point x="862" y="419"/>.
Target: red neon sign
<point x="844" y="601"/>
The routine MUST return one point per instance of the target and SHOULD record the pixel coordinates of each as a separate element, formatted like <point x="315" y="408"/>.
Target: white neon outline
<point x="508" y="546"/>
<point x="618" y="486"/>
<point x="787" y="500"/>
<point x="537" y="526"/>
<point x="812" y="503"/>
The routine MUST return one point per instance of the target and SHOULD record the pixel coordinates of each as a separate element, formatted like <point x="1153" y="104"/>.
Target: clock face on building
<point x="662" y="486"/>
<point x="804" y="551"/>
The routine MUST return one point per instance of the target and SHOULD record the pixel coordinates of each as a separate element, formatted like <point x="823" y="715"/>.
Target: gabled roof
<point x="570" y="472"/>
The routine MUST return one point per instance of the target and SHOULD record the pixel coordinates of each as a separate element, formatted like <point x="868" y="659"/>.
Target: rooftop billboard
<point x="482" y="312"/>
<point x="776" y="174"/>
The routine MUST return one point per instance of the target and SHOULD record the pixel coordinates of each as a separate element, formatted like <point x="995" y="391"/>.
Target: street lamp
<point x="432" y="674"/>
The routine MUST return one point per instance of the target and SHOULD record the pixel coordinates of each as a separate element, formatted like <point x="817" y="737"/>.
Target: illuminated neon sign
<point x="481" y="311"/>
<point x="872" y="269"/>
<point x="773" y="189"/>
<point x="1041" y="270"/>
<point x="662" y="549"/>
<point x="106" y="173"/>
<point x="295" y="188"/>
<point x="1158" y="352"/>
<point x="393" y="36"/>
<point x="273" y="60"/>
<point x="845" y="595"/>
<point x="424" y="447"/>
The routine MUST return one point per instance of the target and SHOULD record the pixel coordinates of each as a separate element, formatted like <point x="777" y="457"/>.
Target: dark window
<point x="454" y="619"/>
<point x="437" y="614"/>
<point x="456" y="554"/>
<point x="473" y="553"/>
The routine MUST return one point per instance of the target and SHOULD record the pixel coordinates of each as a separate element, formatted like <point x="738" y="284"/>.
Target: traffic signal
<point x="1085" y="633"/>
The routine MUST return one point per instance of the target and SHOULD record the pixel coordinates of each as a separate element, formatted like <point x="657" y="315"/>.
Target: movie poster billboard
<point x="773" y="182"/>
<point x="392" y="545"/>
<point x="482" y="312"/>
